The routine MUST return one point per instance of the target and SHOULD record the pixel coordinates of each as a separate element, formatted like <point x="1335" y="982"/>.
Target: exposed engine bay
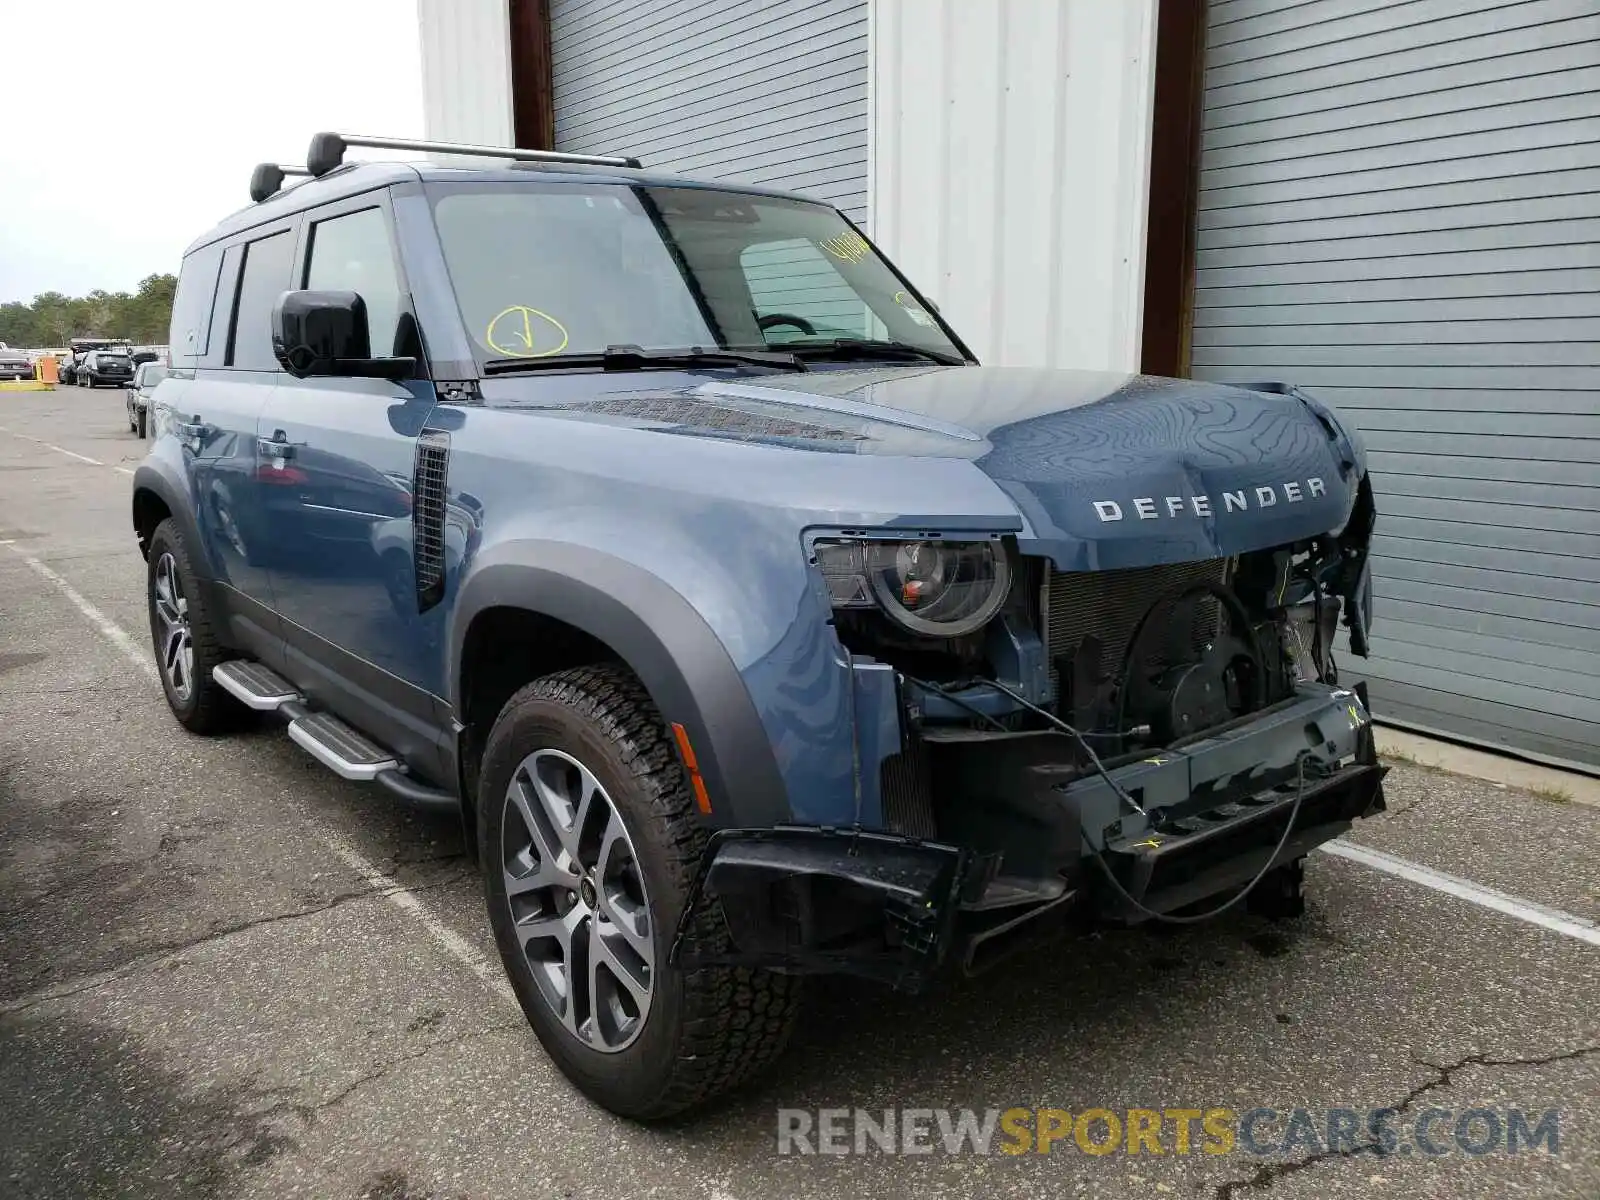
<point x="1133" y="659"/>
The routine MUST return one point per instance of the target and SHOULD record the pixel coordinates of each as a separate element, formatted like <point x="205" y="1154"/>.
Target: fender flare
<point x="663" y="640"/>
<point x="159" y="478"/>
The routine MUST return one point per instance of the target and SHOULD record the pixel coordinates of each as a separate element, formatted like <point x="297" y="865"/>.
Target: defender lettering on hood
<point x="1292" y="491"/>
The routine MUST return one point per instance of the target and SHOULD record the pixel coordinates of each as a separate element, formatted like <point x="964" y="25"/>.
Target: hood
<point x="1107" y="470"/>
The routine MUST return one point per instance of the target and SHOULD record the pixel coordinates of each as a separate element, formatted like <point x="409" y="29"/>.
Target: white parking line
<point x="1453" y="885"/>
<point x="28" y="437"/>
<point x="113" y="632"/>
<point x="372" y="875"/>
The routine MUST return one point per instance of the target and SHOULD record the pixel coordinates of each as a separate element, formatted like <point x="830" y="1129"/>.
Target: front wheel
<point x="144" y="423"/>
<point x="590" y="845"/>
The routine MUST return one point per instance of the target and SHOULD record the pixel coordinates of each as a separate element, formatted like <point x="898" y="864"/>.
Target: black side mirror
<point x="325" y="334"/>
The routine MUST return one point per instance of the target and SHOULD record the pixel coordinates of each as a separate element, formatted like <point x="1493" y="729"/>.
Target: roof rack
<point x="327" y="152"/>
<point x="267" y="179"/>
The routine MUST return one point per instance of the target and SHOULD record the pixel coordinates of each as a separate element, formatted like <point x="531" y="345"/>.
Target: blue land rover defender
<point x="668" y="534"/>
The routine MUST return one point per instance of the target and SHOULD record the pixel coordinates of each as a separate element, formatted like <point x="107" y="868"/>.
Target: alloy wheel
<point x="577" y="899"/>
<point x="174" y="638"/>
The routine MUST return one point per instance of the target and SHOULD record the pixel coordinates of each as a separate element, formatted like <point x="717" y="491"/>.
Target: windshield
<point x="547" y="271"/>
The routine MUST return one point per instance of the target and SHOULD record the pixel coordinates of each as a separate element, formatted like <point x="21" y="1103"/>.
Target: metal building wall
<point x="1010" y="169"/>
<point x="466" y="71"/>
<point x="759" y="91"/>
<point x="1399" y="209"/>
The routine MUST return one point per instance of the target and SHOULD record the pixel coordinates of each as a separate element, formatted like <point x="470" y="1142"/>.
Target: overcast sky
<point x="128" y="129"/>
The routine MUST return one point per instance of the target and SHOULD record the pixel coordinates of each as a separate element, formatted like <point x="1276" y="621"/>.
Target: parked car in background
<point x="105" y="366"/>
<point x="145" y="379"/>
<point x="14" y="364"/>
<point x="80" y="348"/>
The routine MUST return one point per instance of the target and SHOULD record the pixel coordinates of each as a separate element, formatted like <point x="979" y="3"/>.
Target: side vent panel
<point x="431" y="483"/>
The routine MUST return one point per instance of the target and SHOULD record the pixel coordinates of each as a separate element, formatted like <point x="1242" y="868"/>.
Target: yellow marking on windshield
<point x="505" y="324"/>
<point x="847" y="247"/>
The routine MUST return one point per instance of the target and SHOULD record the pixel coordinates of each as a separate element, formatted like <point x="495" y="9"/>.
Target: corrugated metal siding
<point x="1400" y="211"/>
<point x="466" y="71"/>
<point x="759" y="91"/>
<point x="1011" y="169"/>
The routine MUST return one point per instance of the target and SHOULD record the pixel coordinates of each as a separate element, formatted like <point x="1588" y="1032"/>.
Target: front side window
<point x="553" y="270"/>
<point x="798" y="292"/>
<point x="265" y="277"/>
<point x="352" y="254"/>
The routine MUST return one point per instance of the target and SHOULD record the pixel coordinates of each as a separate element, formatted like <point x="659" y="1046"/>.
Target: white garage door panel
<point x="754" y="91"/>
<point x="1399" y="210"/>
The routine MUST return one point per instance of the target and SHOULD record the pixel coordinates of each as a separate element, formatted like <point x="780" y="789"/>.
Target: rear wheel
<point x="144" y="422"/>
<point x="186" y="645"/>
<point x="590" y="845"/>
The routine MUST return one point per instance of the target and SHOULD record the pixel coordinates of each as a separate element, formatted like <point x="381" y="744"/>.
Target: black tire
<point x="708" y="1029"/>
<point x="1280" y="893"/>
<point x="144" y="422"/>
<point x="204" y="707"/>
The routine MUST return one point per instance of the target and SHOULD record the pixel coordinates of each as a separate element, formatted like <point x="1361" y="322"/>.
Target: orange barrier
<point x="47" y="370"/>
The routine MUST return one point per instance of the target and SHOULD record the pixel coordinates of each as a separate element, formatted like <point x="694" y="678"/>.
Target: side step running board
<point x="256" y="686"/>
<point x="335" y="745"/>
<point x="339" y="748"/>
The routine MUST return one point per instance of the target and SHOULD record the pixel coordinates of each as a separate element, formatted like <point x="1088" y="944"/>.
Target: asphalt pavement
<point x="227" y="973"/>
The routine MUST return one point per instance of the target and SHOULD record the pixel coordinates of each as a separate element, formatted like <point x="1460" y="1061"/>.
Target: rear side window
<point x="265" y="278"/>
<point x="352" y="253"/>
<point x="191" y="305"/>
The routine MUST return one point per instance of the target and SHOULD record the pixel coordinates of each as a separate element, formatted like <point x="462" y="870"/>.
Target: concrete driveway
<point x="228" y="973"/>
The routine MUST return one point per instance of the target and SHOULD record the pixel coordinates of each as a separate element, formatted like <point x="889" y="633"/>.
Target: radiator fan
<point x="1181" y="684"/>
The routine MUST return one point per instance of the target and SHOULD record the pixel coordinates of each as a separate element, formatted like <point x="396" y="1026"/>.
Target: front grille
<point x="1109" y="605"/>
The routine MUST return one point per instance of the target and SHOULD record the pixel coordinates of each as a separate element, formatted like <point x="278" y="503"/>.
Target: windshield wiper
<point x="846" y="349"/>
<point x="634" y="358"/>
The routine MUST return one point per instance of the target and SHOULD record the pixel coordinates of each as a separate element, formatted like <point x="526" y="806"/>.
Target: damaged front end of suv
<point x="1127" y="709"/>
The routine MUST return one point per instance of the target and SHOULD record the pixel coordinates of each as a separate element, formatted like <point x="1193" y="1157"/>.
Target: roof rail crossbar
<point x="267" y="179"/>
<point x="327" y="151"/>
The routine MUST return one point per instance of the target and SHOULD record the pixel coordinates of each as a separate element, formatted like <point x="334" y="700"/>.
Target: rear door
<point x="218" y="419"/>
<point x="348" y="594"/>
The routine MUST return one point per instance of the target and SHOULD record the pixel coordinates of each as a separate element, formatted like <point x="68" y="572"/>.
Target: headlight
<point x="937" y="589"/>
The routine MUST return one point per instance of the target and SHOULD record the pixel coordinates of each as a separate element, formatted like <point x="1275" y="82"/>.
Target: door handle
<point x="275" y="448"/>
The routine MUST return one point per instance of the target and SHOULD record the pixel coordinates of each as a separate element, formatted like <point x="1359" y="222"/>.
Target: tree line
<point x="53" y="319"/>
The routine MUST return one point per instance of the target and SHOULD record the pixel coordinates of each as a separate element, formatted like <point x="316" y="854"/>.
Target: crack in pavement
<point x="349" y="1089"/>
<point x="108" y="683"/>
<point x="154" y="954"/>
<point x="1403" y="810"/>
<point x="308" y="1112"/>
<point x="1268" y="1174"/>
